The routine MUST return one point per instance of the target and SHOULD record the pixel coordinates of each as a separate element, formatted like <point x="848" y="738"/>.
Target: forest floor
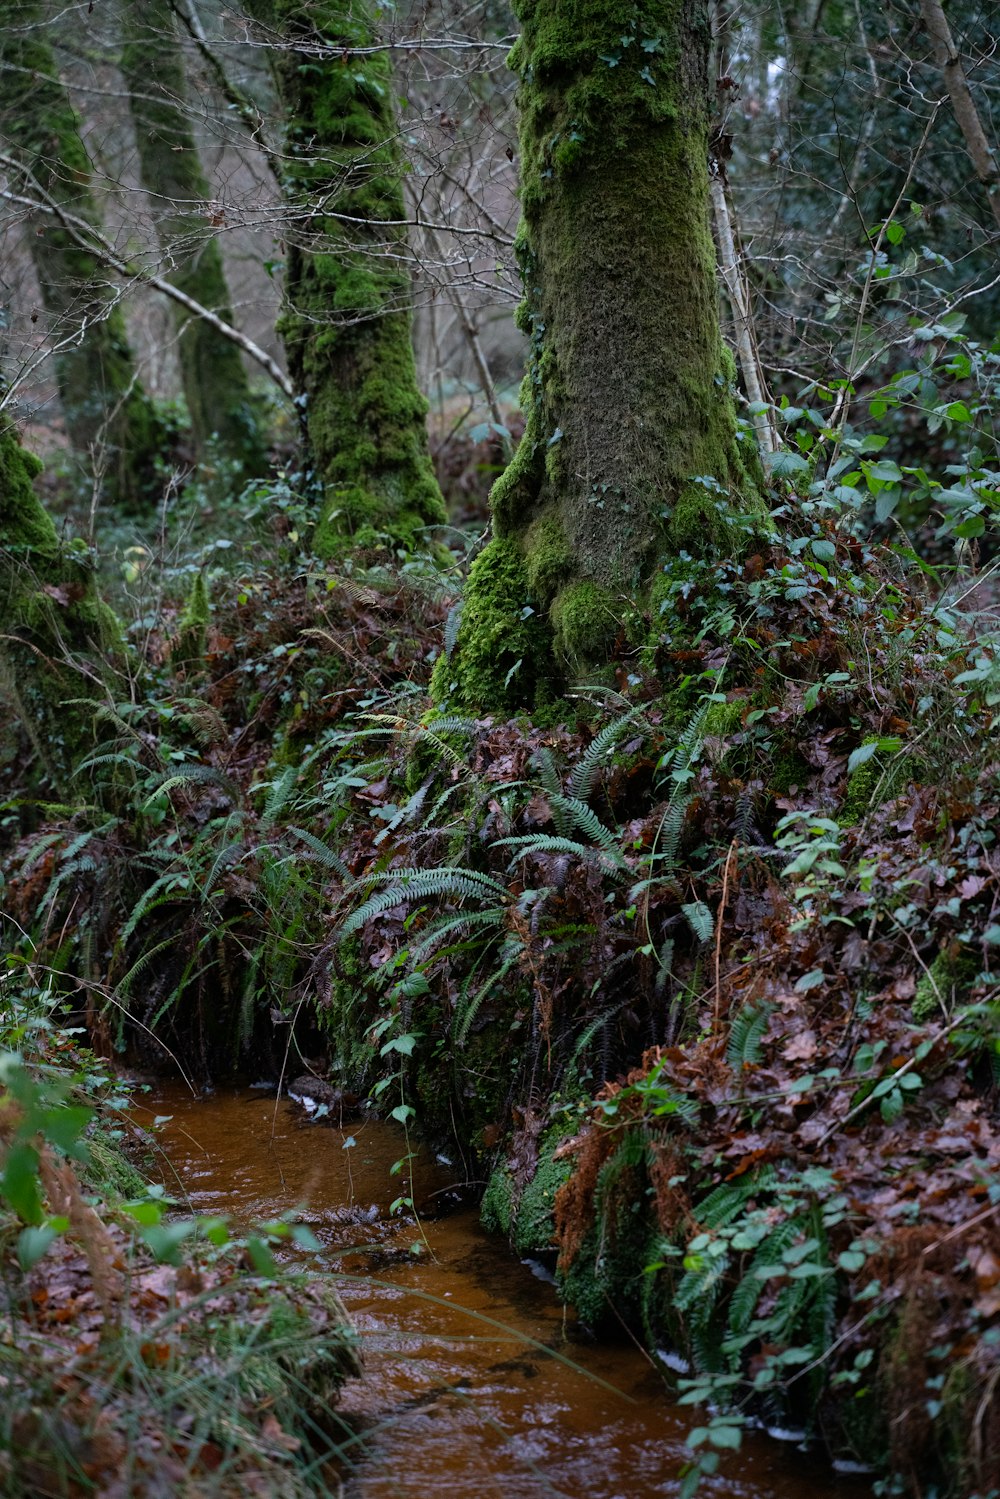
<point x="699" y="970"/>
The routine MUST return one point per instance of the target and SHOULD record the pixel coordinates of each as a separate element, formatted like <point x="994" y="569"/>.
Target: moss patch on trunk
<point x="347" y="323"/>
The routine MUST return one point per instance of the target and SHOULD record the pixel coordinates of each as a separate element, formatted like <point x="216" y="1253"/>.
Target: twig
<point x="718" y="934"/>
<point x="95" y="244"/>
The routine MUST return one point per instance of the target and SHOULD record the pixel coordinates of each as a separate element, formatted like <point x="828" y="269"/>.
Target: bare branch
<point x="93" y="241"/>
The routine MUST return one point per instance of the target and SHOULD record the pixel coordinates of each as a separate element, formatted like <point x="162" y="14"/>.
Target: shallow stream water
<point x="478" y="1384"/>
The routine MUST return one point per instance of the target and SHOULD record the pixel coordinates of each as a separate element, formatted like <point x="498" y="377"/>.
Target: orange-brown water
<point x="478" y="1385"/>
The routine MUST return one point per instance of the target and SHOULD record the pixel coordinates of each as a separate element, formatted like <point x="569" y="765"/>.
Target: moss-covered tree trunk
<point x="347" y="325"/>
<point x="108" y="416"/>
<point x="631" y="454"/>
<point x="215" y="383"/>
<point x="55" y="634"/>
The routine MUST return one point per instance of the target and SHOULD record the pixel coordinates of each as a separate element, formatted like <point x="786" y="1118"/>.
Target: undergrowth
<point x="700" y="971"/>
<point x="143" y="1350"/>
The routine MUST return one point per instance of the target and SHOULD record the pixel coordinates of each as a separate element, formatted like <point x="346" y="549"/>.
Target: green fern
<point x="278" y="793"/>
<point x="579" y="815"/>
<point x="528" y="844"/>
<point x="744" y="1300"/>
<point x="746" y="1034"/>
<point x="470" y="1005"/>
<point x="199" y="775"/>
<point x="171" y="883"/>
<point x="584" y="776"/>
<point x="552" y="786"/>
<point x="700" y="919"/>
<point x="452" y="928"/>
<point x="727" y="1201"/>
<point x="408" y="885"/>
<point x="323" y="854"/>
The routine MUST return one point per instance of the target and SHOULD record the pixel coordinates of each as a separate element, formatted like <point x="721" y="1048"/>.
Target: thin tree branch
<point x="93" y="241"/>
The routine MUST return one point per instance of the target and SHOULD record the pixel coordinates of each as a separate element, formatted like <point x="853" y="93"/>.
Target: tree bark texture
<point x="216" y="388"/>
<point x="107" y="413"/>
<point x="948" y="59"/>
<point x="631" y="454"/>
<point x="347" y="325"/>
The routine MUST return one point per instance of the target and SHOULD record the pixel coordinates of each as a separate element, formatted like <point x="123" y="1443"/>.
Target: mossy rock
<point x="496" y="1211"/>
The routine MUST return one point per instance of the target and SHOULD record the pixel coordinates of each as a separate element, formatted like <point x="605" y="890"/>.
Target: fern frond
<point x="406" y="813"/>
<point x="451" y="627"/>
<point x="229" y="853"/>
<point x="117" y="758"/>
<point x="723" y="1204"/>
<point x="323" y="854"/>
<point x="278" y="792"/>
<point x="408" y="885"/>
<point x="169" y="883"/>
<point x="463" y="1021"/>
<point x="199" y="775"/>
<point x="590" y="1031"/>
<point x="36" y="850"/>
<point x="450" y="927"/>
<point x="552" y="786"/>
<point x="589" y="766"/>
<point x="545" y="843"/>
<point x="586" y="819"/>
<point x="142" y="961"/>
<point x="669" y="834"/>
<point x="746" y="1035"/>
<point x="699" y="918"/>
<point x="203" y="720"/>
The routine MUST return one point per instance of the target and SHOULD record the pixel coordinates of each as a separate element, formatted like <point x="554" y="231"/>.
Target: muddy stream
<point x="478" y="1384"/>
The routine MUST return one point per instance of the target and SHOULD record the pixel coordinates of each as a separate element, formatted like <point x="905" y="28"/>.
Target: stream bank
<point x="477" y="1381"/>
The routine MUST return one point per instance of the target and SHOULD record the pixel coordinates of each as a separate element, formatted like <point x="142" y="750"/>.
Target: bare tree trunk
<point x="739" y="301"/>
<point x="215" y="383"/>
<point x="948" y="59"/>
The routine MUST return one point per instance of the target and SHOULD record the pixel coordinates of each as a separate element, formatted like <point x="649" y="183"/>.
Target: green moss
<point x="347" y="324"/>
<point x="878" y="780"/>
<point x="190" y="645"/>
<point x="724" y="718"/>
<point x="548" y="557"/>
<point x="496" y="1211"/>
<point x="296" y="1356"/>
<point x="503" y="660"/>
<point x="110" y="1172"/>
<point x="605" y="1278"/>
<point x="585" y="623"/>
<point x="631" y="447"/>
<point x="950" y="976"/>
<point x="586" y="1285"/>
<point x="534" y="1222"/>
<point x="788" y="768"/>
<point x="50" y="615"/>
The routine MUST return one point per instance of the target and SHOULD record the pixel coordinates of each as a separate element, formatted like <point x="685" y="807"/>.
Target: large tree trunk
<point x="215" y="383"/>
<point x="106" y="411"/>
<point x="631" y="455"/>
<point x="347" y="324"/>
<point x="55" y="633"/>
